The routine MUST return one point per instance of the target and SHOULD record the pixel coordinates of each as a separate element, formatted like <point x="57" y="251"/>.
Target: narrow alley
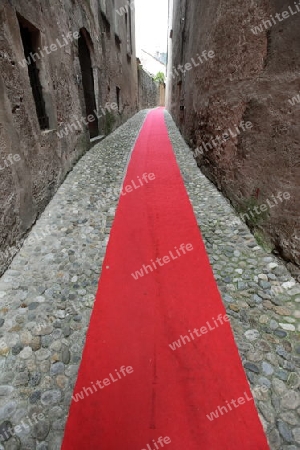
<point x="149" y="225"/>
<point x="44" y="329"/>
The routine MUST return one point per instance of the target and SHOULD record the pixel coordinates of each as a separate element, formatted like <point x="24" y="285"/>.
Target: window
<point x="118" y="92"/>
<point x="106" y="24"/>
<point x="104" y="17"/>
<point x="118" y="42"/>
<point x="115" y="21"/>
<point x="85" y="48"/>
<point x="128" y="32"/>
<point x="31" y="40"/>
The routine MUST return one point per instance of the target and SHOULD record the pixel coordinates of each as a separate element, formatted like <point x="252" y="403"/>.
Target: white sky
<point x="151" y="25"/>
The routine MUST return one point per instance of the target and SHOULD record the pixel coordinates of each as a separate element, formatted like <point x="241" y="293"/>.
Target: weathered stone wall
<point x="40" y="158"/>
<point x="251" y="78"/>
<point x="162" y="94"/>
<point x="149" y="90"/>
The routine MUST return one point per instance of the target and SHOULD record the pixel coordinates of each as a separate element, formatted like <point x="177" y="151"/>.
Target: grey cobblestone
<point x="261" y="299"/>
<point x="47" y="295"/>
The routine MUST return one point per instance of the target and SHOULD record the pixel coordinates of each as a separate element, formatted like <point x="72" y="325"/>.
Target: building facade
<point x="151" y="63"/>
<point x="68" y="74"/>
<point x="151" y="92"/>
<point x="233" y="63"/>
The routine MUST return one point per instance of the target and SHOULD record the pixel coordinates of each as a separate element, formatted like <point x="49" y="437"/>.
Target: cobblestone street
<point x="47" y="295"/>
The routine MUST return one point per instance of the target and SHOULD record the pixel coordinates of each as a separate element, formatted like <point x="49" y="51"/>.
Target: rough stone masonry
<point x="252" y="77"/>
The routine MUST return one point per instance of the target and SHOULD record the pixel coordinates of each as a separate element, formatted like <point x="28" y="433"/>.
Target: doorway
<point x="88" y="82"/>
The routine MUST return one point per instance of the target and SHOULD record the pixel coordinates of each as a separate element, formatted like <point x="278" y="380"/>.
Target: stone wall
<point x="35" y="158"/>
<point x="251" y="77"/>
<point x="162" y="94"/>
<point x="149" y="91"/>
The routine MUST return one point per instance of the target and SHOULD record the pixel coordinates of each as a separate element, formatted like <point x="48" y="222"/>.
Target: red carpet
<point x="163" y="397"/>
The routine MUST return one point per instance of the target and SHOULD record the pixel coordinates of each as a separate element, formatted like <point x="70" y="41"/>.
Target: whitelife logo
<point x="53" y="48"/>
<point x="183" y="248"/>
<point x="257" y="210"/>
<point x="77" y="124"/>
<point x="125" y="9"/>
<point x="266" y="24"/>
<point x="8" y="432"/>
<point x="189" y="65"/>
<point x="218" y="140"/>
<point x="106" y="382"/>
<point x="32" y="239"/>
<point x="223" y="410"/>
<point x="146" y="177"/>
<point x="161" y="441"/>
<point x="294" y="100"/>
<point x="203" y="330"/>
<point x="10" y="160"/>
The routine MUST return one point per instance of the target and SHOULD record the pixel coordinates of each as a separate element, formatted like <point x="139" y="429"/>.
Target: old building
<point x="68" y="75"/>
<point x="233" y="63"/>
<point x="151" y="89"/>
<point x="151" y="92"/>
<point x="152" y="64"/>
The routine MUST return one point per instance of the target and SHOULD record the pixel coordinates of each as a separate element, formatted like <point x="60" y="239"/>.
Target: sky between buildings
<point x="151" y="22"/>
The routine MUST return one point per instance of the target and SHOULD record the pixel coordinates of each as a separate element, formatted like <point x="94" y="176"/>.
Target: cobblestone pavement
<point x="47" y="294"/>
<point x="261" y="299"/>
